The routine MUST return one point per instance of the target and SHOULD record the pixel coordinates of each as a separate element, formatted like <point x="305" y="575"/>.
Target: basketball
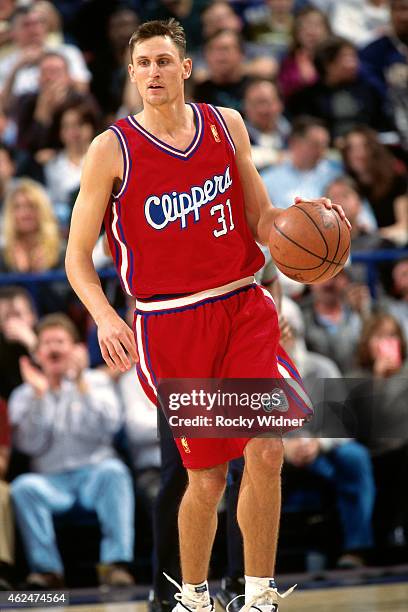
<point x="309" y="242"/>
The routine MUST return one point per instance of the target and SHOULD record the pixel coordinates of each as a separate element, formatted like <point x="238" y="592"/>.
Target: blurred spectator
<point x="17" y="335"/>
<point x="272" y="25"/>
<point x="35" y="112"/>
<point x="31" y="240"/>
<point x="75" y="127"/>
<point x="19" y="72"/>
<point x="52" y="21"/>
<point x="7" y="8"/>
<point x="297" y="71"/>
<point x="7" y="173"/>
<point x="65" y="417"/>
<point x="311" y="366"/>
<point x="360" y="21"/>
<point x="364" y="235"/>
<point x="397" y="303"/>
<point x="386" y="63"/>
<point x="186" y="12"/>
<point x="220" y="15"/>
<point x="381" y="178"/>
<point x="342" y="97"/>
<point x="378" y="401"/>
<point x="109" y="66"/>
<point x="268" y="129"/>
<point x="6" y="517"/>
<point x="332" y="321"/>
<point x="307" y="171"/>
<point x="226" y="81"/>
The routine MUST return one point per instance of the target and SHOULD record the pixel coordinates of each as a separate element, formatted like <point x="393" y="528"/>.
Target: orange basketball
<point x="310" y="243"/>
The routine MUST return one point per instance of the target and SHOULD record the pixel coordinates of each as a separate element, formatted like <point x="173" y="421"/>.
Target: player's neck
<point x="167" y="119"/>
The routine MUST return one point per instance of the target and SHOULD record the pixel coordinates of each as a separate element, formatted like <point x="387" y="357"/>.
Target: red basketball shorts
<point x="226" y="332"/>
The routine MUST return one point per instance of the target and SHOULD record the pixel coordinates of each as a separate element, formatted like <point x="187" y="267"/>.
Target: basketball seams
<point x="300" y="246"/>
<point x="329" y="264"/>
<point x="336" y="265"/>
<point x="316" y="226"/>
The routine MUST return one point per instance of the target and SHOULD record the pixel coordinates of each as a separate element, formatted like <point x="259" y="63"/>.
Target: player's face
<point x="158" y="71"/>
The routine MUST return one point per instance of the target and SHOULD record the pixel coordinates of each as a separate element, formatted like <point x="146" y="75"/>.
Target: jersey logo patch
<point x="215" y="133"/>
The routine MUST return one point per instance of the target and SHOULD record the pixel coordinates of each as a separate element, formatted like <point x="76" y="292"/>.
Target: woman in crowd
<point x="310" y="28"/>
<point x="381" y="178"/>
<point x="75" y="127"/>
<point x="31" y="239"/>
<point x="377" y="407"/>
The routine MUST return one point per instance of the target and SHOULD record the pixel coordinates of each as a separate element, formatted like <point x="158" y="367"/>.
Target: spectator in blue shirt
<point x="307" y="170"/>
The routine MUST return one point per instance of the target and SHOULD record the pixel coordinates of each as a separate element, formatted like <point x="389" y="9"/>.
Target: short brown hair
<point x="60" y="320"/>
<point x="170" y="28"/>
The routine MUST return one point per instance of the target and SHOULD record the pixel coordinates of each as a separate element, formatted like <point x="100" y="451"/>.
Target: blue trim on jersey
<point x="163" y="146"/>
<point x="127" y="165"/>
<point x="217" y="298"/>
<point x="131" y="267"/>
<point x="123" y="239"/>
<point x="147" y="352"/>
<point x="116" y="255"/>
<point x="291" y="369"/>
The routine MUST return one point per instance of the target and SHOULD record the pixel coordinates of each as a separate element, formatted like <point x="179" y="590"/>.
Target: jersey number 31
<point x="222" y="220"/>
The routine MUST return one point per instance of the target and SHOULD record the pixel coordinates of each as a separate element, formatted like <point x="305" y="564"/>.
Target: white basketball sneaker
<point x="184" y="603"/>
<point x="265" y="601"/>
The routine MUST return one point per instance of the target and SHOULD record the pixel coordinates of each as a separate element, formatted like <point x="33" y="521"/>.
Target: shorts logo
<point x="277" y="401"/>
<point x="215" y="133"/>
<point x="185" y="445"/>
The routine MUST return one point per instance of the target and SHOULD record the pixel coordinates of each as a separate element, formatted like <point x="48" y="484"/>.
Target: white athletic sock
<point x="196" y="594"/>
<point x="255" y="585"/>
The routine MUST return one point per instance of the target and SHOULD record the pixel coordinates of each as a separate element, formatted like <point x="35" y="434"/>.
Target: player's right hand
<point x="117" y="342"/>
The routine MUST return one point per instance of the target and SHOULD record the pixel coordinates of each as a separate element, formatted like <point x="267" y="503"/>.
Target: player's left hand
<point x="329" y="205"/>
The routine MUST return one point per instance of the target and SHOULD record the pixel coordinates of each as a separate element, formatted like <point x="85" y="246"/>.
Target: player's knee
<point x="266" y="454"/>
<point x="209" y="485"/>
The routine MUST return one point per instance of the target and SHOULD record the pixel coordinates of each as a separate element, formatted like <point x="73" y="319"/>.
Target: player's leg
<point x="260" y="494"/>
<point x="166" y="557"/>
<point x="259" y="509"/>
<point x="198" y="521"/>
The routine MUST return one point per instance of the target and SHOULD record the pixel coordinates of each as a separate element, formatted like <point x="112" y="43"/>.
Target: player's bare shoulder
<point x="236" y="127"/>
<point x="104" y="152"/>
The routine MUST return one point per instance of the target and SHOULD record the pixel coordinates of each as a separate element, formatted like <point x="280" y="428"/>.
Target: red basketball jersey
<point x="177" y="223"/>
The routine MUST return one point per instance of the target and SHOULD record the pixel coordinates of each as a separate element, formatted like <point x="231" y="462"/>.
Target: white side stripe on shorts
<point x="140" y="349"/>
<point x="296" y="386"/>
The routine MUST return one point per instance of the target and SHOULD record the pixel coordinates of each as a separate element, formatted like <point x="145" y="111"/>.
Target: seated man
<point x="65" y="417"/>
<point x="6" y="519"/>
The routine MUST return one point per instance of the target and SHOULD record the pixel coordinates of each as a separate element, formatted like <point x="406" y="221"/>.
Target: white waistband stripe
<point x="188" y="300"/>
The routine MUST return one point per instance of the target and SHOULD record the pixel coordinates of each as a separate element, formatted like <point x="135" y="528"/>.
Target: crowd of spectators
<point x="323" y="89"/>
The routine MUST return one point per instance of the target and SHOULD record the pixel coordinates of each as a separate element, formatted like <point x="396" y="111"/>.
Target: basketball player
<point x="183" y="205"/>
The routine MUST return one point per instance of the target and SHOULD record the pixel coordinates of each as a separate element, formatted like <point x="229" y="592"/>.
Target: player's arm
<point x="260" y="211"/>
<point x="103" y="166"/>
